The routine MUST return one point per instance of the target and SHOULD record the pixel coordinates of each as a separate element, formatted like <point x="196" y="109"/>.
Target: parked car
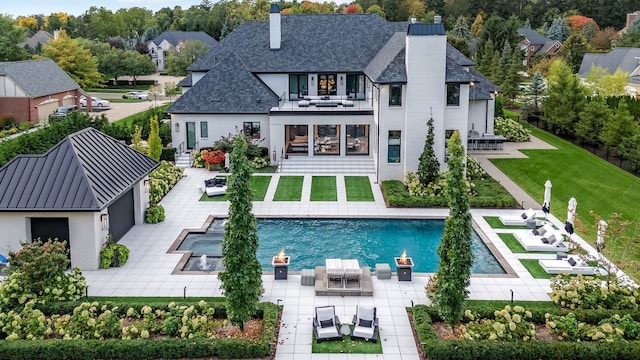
<point x="95" y="102"/>
<point x="141" y="95"/>
<point x="62" y="112"/>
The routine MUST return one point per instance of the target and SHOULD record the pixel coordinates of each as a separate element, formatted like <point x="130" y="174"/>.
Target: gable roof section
<point x="310" y="43"/>
<point x="388" y="65"/>
<point x="38" y="77"/>
<point x="549" y="47"/>
<point x="86" y="171"/>
<point x="228" y="87"/>
<point x="482" y="86"/>
<point x="532" y="36"/>
<point x="625" y="59"/>
<point x="41" y="37"/>
<point x="186" y="82"/>
<point x="176" y="37"/>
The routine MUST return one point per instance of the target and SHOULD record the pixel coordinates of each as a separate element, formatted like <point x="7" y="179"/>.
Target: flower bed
<point x="108" y="331"/>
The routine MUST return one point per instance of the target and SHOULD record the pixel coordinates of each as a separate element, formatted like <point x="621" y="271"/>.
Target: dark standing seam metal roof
<point x="348" y="43"/>
<point x="176" y="37"/>
<point x="38" y="77"/>
<point x="87" y="171"/>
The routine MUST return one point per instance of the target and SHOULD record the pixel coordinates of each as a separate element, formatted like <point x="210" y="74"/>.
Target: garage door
<point x="68" y="100"/>
<point x="56" y="229"/>
<point x="121" y="218"/>
<point x="44" y="110"/>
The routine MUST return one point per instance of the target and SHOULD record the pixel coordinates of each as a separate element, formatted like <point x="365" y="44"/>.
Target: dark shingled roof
<point x="42" y="37"/>
<point x="625" y="59"/>
<point x="87" y="171"/>
<point x="531" y="35"/>
<point x="388" y="65"/>
<point x="228" y="88"/>
<point x="482" y="86"/>
<point x="187" y="81"/>
<point x="38" y="77"/>
<point x="176" y="37"/>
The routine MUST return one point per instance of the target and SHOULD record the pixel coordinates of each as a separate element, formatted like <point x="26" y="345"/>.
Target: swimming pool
<point x="310" y="241"/>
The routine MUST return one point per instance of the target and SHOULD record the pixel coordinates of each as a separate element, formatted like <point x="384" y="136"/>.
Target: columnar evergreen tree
<point x="512" y="80"/>
<point x="456" y="256"/>
<point x="573" y="50"/>
<point x="566" y="97"/>
<point x="429" y="166"/>
<point x="461" y="28"/>
<point x="592" y="119"/>
<point x="504" y="64"/>
<point x="155" y="144"/>
<point x="535" y="92"/>
<point x="477" y="26"/>
<point x="619" y="129"/>
<point x="241" y="279"/>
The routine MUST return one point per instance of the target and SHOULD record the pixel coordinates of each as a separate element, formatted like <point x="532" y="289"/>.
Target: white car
<point x="141" y="95"/>
<point x="95" y="102"/>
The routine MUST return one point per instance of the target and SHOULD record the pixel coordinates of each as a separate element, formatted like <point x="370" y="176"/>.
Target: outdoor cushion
<point x="545" y="240"/>
<point x="365" y="323"/>
<point x="524" y="215"/>
<point x="542" y="231"/>
<point x="326" y="323"/>
<point x="552" y="238"/>
<point x="571" y="262"/>
<point x="535" y="232"/>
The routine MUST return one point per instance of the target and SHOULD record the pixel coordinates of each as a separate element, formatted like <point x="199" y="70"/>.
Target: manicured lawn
<point x="259" y="186"/>
<point x="512" y="243"/>
<point x="535" y="269"/>
<point x="289" y="188"/>
<point x="323" y="188"/>
<point x="358" y="188"/>
<point x="495" y="223"/>
<point x="597" y="186"/>
<point x="346" y="346"/>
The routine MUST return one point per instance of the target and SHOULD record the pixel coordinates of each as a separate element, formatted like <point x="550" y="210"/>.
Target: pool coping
<point x="186" y="254"/>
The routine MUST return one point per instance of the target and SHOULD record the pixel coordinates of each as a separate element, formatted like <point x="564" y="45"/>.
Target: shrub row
<point x="490" y="195"/>
<point x="437" y="349"/>
<point x="227" y="348"/>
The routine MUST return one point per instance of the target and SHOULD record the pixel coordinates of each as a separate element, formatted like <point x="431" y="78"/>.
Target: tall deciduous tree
<point x="11" y="36"/>
<point x="604" y="84"/>
<point x="155" y="144"/>
<point x="241" y="279"/>
<point x="477" y="26"/>
<point x="177" y="62"/>
<point x="137" y="64"/>
<point x="75" y="60"/>
<point x="456" y="256"/>
<point x="429" y="167"/>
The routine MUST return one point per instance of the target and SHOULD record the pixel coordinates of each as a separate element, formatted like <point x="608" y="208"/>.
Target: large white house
<point x="335" y="86"/>
<point x="159" y="46"/>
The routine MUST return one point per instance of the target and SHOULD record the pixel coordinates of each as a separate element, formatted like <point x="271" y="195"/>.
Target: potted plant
<point x="113" y="254"/>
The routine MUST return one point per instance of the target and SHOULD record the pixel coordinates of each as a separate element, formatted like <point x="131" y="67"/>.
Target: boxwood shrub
<point x="227" y="348"/>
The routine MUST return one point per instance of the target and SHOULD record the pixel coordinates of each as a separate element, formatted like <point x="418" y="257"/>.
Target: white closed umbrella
<point x="602" y="227"/>
<point x="546" y="205"/>
<point x="226" y="162"/>
<point x="571" y="215"/>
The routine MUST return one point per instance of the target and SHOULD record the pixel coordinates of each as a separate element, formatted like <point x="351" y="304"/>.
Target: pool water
<point x="310" y="241"/>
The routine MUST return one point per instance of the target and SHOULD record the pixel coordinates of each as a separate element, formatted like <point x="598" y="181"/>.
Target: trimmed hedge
<point x="490" y="195"/>
<point x="437" y="349"/>
<point x="226" y="348"/>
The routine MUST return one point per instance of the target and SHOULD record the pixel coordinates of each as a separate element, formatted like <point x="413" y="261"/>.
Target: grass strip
<point x="259" y="186"/>
<point x="358" y="188"/>
<point x="346" y="346"/>
<point x="289" y="188"/>
<point x="596" y="184"/>
<point x="534" y="268"/>
<point x="323" y="188"/>
<point x="495" y="223"/>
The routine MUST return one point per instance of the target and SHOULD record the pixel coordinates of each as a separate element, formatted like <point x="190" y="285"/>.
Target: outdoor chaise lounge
<point x="335" y="272"/>
<point x="365" y="324"/>
<point x="216" y="186"/>
<point x="325" y="324"/>
<point x="520" y="220"/>
<point x="352" y="273"/>
<point x="569" y="265"/>
<point x="548" y="240"/>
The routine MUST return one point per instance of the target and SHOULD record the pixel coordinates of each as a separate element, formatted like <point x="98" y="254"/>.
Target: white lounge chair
<point x="335" y="271"/>
<point x="352" y="271"/>
<point x="549" y="241"/>
<point x="325" y="324"/>
<point x="365" y="324"/>
<point x="520" y="220"/>
<point x="569" y="265"/>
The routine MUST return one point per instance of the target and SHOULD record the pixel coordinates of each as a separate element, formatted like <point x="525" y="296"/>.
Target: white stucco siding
<point x="391" y="119"/>
<point x="278" y="83"/>
<point x="85" y="234"/>
<point x="218" y="125"/>
<point x="425" y="96"/>
<point x="456" y="118"/>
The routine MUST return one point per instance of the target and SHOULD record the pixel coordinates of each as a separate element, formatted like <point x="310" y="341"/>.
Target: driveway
<point x="119" y="111"/>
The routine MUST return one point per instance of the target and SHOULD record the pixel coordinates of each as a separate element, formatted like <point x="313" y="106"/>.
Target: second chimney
<point x="274" y="27"/>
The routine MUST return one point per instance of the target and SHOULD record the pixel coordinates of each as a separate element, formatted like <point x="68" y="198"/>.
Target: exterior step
<point x="184" y="160"/>
<point x="327" y="165"/>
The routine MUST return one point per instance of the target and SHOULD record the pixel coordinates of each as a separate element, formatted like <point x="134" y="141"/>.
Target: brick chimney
<point x="275" y="32"/>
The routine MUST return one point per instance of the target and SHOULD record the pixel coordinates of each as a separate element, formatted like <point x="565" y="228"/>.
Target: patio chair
<point x="335" y="272"/>
<point x="325" y="324"/>
<point x="569" y="265"/>
<point x="365" y="324"/>
<point x="520" y="220"/>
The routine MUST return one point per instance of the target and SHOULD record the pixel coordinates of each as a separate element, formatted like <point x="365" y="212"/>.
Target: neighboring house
<point x="630" y="17"/>
<point x="159" y="46"/>
<point x="38" y="40"/>
<point x="533" y="43"/>
<point x="85" y="187"/>
<point x="304" y="90"/>
<point x="31" y="90"/>
<point x="625" y="59"/>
